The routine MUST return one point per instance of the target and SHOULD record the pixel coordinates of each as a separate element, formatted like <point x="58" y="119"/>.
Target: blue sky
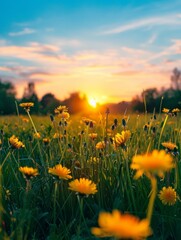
<point x="110" y="50"/>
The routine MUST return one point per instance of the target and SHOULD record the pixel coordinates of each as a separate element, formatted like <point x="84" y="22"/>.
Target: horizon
<point x="111" y="51"/>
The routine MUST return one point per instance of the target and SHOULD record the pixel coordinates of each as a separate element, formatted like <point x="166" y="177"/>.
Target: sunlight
<point x="92" y="102"/>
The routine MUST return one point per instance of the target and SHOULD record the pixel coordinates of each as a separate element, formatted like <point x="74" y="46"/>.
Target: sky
<point x="111" y="50"/>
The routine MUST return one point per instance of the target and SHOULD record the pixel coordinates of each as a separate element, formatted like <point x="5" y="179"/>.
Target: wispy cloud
<point x="25" y="31"/>
<point x="146" y="22"/>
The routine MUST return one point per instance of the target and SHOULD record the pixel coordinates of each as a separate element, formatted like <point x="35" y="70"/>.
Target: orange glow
<point x="92" y="102"/>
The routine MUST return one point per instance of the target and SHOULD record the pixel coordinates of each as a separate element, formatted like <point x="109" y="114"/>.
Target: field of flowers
<point x="90" y="177"/>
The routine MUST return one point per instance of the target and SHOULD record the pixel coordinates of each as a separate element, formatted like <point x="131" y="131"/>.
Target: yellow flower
<point x="15" y="143"/>
<point x="37" y="135"/>
<point x="58" y="135"/>
<point x="26" y="120"/>
<point x="61" y="109"/>
<point x="83" y="186"/>
<point x="121" y="226"/>
<point x="175" y="110"/>
<point x="169" y="145"/>
<point x="93" y="136"/>
<point x="157" y="162"/>
<point x="46" y="141"/>
<point x="26" y="105"/>
<point x="166" y="110"/>
<point x="100" y="145"/>
<point x="64" y="115"/>
<point x="61" y="172"/>
<point x="121" y="139"/>
<point x="29" y="171"/>
<point x="168" y="196"/>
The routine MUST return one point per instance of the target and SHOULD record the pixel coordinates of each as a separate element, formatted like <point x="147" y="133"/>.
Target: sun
<point x="92" y="102"/>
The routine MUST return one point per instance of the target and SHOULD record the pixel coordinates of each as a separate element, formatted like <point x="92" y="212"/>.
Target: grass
<point x="44" y="208"/>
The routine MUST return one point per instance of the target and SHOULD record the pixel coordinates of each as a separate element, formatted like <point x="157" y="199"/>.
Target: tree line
<point x="149" y="100"/>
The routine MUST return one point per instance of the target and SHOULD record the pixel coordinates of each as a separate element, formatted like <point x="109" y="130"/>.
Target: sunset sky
<point x="110" y="50"/>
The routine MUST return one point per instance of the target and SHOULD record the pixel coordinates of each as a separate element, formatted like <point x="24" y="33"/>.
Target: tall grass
<point x="47" y="209"/>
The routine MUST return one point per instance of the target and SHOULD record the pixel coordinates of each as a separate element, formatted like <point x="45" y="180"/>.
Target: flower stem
<point x="164" y="123"/>
<point x="152" y="198"/>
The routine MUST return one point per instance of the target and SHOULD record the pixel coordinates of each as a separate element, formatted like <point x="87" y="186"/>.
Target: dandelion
<point x="26" y="105"/>
<point x="83" y="186"/>
<point x="156" y="163"/>
<point x="26" y="120"/>
<point x="121" y="226"/>
<point x="15" y="143"/>
<point x="58" y="135"/>
<point x="168" y="196"/>
<point x="60" y="171"/>
<point x="93" y="136"/>
<point x="100" y="145"/>
<point x="37" y="135"/>
<point x="64" y="115"/>
<point x="46" y="141"/>
<point x="61" y="109"/>
<point x="175" y="110"/>
<point x="121" y="139"/>
<point x="170" y="146"/>
<point x="29" y="172"/>
<point x="166" y="110"/>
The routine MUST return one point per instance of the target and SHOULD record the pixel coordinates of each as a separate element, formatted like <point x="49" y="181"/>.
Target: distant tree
<point x="76" y="102"/>
<point x="30" y="95"/>
<point x="176" y="79"/>
<point x="7" y="98"/>
<point x="48" y="103"/>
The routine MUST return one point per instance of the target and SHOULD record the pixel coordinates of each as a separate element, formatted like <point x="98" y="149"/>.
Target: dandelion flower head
<point x="168" y="196"/>
<point x="15" y="143"/>
<point x="83" y="186"/>
<point x="60" y="171"/>
<point x="156" y="162"/>
<point x="121" y="226"/>
<point x="29" y="172"/>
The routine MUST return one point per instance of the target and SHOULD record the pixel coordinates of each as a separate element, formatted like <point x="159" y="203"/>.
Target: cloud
<point x="25" y="31"/>
<point x="146" y="22"/>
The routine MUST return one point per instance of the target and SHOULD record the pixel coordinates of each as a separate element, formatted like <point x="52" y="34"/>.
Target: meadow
<point x="84" y="177"/>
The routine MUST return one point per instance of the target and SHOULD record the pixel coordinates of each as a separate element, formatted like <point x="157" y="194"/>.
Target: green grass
<point x="49" y="210"/>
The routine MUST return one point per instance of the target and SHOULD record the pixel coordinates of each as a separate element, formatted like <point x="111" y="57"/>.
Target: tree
<point x="48" y="103"/>
<point x="176" y="79"/>
<point x="30" y="95"/>
<point x="7" y="98"/>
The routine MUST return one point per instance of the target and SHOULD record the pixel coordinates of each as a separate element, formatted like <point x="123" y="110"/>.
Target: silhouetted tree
<point x="76" y="102"/>
<point x="176" y="79"/>
<point x="48" y="103"/>
<point x="30" y="95"/>
<point x="7" y="98"/>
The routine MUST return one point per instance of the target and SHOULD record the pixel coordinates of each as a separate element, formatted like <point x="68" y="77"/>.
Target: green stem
<point x="152" y="198"/>
<point x="5" y="158"/>
<point x="159" y="141"/>
<point x="54" y="205"/>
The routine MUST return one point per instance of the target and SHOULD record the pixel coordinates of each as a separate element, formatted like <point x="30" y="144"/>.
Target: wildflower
<point x="156" y="162"/>
<point x="93" y="136"/>
<point x="93" y="160"/>
<point x="37" y="135"/>
<point x="121" y="226"/>
<point x="121" y="139"/>
<point x="100" y="145"/>
<point x="64" y="115"/>
<point x="26" y="105"/>
<point x="15" y="143"/>
<point x="61" y="109"/>
<point x="175" y="110"/>
<point x="29" y="172"/>
<point x="169" y="145"/>
<point x="26" y="120"/>
<point x="88" y="121"/>
<point x="166" y="110"/>
<point x="168" y="196"/>
<point x="60" y="171"/>
<point x="58" y="135"/>
<point x="83" y="186"/>
<point x="46" y="141"/>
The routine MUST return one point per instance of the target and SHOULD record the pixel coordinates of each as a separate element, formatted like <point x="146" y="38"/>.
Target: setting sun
<point x="92" y="102"/>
